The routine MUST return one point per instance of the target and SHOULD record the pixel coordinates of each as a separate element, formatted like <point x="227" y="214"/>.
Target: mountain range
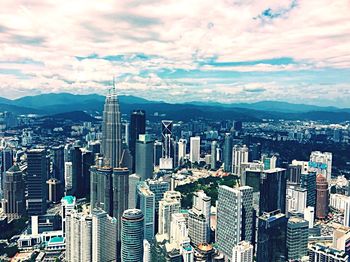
<point x="58" y="103"/>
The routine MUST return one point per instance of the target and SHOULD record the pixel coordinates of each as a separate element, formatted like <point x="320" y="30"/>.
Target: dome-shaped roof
<point x="320" y="178"/>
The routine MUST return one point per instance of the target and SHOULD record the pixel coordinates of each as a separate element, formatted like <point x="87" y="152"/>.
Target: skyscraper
<point x="239" y="156"/>
<point x="68" y="176"/>
<point x="76" y="171"/>
<point x="14" y="205"/>
<point x="111" y="130"/>
<point x="58" y="164"/>
<point x="181" y="151"/>
<point x="297" y="238"/>
<point x="234" y="217"/>
<point x="101" y="195"/>
<point x="133" y="181"/>
<point x="169" y="205"/>
<point x="228" y="153"/>
<point x="147" y="206"/>
<point x="321" y="163"/>
<point x="167" y="127"/>
<point x="6" y="161"/>
<point x="87" y="160"/>
<point x="144" y="157"/>
<point x="321" y="197"/>
<point x="132" y="235"/>
<point x="308" y="181"/>
<point x="178" y="230"/>
<point x="195" y="149"/>
<point x="36" y="181"/>
<point x="243" y="252"/>
<point x="272" y="230"/>
<point x="213" y="154"/>
<point x="137" y="127"/>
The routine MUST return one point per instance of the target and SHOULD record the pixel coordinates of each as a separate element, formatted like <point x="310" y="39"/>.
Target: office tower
<point x="146" y="251"/>
<point x="76" y="171"/>
<point x="195" y="149"/>
<point x="137" y="127"/>
<point x="169" y="205"/>
<point x="158" y="187"/>
<point x="13" y="204"/>
<point x="144" y="157"/>
<point x="199" y="219"/>
<point x="308" y="181"/>
<point x="78" y="237"/>
<point x="321" y="252"/>
<point x="104" y="236"/>
<point x="132" y="235"/>
<point x="157" y="152"/>
<point x="228" y="153"/>
<point x="296" y="199"/>
<point x="239" y="156"/>
<point x="167" y="127"/>
<point x="111" y="146"/>
<point x="88" y="160"/>
<point x="214" y="146"/>
<point x="321" y="163"/>
<point x="120" y="190"/>
<point x="321" y="197"/>
<point x="178" y="230"/>
<point x="309" y="215"/>
<point x="347" y="212"/>
<point x="234" y="217"/>
<point x="254" y="152"/>
<point x="67" y="205"/>
<point x="147" y="206"/>
<point x="68" y="176"/>
<point x="101" y="195"/>
<point x="272" y="230"/>
<point x="58" y="164"/>
<point x="341" y="237"/>
<point x="243" y="252"/>
<point x="6" y="161"/>
<point x="273" y="190"/>
<point x="94" y="147"/>
<point x="269" y="162"/>
<point x="294" y="173"/>
<point x="67" y="153"/>
<point x="54" y="190"/>
<point x="133" y="181"/>
<point x="297" y="238"/>
<point x="36" y="182"/>
<point x="181" y="151"/>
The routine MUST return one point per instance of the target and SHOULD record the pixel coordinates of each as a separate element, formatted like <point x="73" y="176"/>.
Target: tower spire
<point x="113" y="90"/>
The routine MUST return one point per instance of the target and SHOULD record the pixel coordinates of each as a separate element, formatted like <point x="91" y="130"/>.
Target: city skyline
<point x="242" y="51"/>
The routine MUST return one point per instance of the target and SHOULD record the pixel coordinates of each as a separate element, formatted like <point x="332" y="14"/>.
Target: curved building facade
<point x="321" y="197"/>
<point x="132" y="236"/>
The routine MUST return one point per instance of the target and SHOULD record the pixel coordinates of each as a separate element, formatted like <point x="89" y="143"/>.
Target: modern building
<point x="6" y="161"/>
<point x="239" y="156"/>
<point x="320" y="252"/>
<point x="144" y="157"/>
<point x="297" y="238"/>
<point x="167" y="127"/>
<point x="132" y="235"/>
<point x="67" y="205"/>
<point x="158" y="187"/>
<point x="309" y="215"/>
<point x="178" y="230"/>
<point x="308" y="181"/>
<point x="234" y="217"/>
<point x="58" y="164"/>
<point x="296" y="199"/>
<point x="101" y="195"/>
<point x="68" y="176"/>
<point x="169" y="205"/>
<point x="347" y="212"/>
<point x="133" y="181"/>
<point x="321" y="197"/>
<point x="54" y="190"/>
<point x="87" y="160"/>
<point x="137" y="127"/>
<point x="214" y="145"/>
<point x="157" y="152"/>
<point x="182" y="144"/>
<point x="37" y="173"/>
<point x="77" y="171"/>
<point x="227" y="158"/>
<point x="269" y="162"/>
<point x="111" y="146"/>
<point x="14" y="205"/>
<point x="294" y="173"/>
<point x="146" y="203"/>
<point x="321" y="163"/>
<point x="195" y="149"/>
<point x="272" y="231"/>
<point x="243" y="252"/>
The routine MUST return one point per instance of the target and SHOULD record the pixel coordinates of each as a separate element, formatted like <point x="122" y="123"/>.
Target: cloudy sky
<point x="179" y="50"/>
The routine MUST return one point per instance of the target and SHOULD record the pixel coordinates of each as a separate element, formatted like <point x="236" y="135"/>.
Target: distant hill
<point x="53" y="104"/>
<point x="75" y="116"/>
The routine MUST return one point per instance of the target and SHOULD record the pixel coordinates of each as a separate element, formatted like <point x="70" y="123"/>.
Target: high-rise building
<point x="144" y="157"/>
<point x="111" y="130"/>
<point x="147" y="206"/>
<point x="321" y="163"/>
<point x="54" y="190"/>
<point x="181" y="151"/>
<point x="133" y="181"/>
<point x="272" y="230"/>
<point x="228" y="153"/>
<point x="296" y="199"/>
<point x="157" y="152"/>
<point x="6" y="161"/>
<point x="273" y="184"/>
<point x="243" y="252"/>
<point x="68" y="176"/>
<point x="104" y="236"/>
<point x="297" y="238"/>
<point x="76" y="155"/>
<point x="214" y="146"/>
<point x="321" y="197"/>
<point x="199" y="219"/>
<point x="36" y="181"/>
<point x="309" y="215"/>
<point x="58" y="164"/>
<point x="195" y="148"/>
<point x="294" y="173"/>
<point x="167" y="127"/>
<point x="132" y="235"/>
<point x="347" y="212"/>
<point x="269" y="162"/>
<point x="158" y="187"/>
<point x="169" y="205"/>
<point x="308" y="181"/>
<point x="88" y="160"/>
<point x="320" y="252"/>
<point x="137" y="127"/>
<point x="234" y="217"/>
<point x="178" y="230"/>
<point x="101" y="195"/>
<point x="239" y="156"/>
<point x="67" y="205"/>
<point x="13" y="204"/>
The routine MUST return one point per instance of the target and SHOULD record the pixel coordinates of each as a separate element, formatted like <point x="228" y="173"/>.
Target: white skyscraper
<point x="195" y="147"/>
<point x="242" y="252"/>
<point x="321" y="163"/>
<point x="133" y="181"/>
<point x="169" y="205"/>
<point x="234" y="217"/>
<point x="147" y="206"/>
<point x="309" y="215"/>
<point x="296" y="199"/>
<point x="68" y="205"/>
<point x="178" y="230"/>
<point x="181" y="151"/>
<point x="146" y="251"/>
<point x="239" y="156"/>
<point x="68" y="175"/>
<point x="347" y="213"/>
